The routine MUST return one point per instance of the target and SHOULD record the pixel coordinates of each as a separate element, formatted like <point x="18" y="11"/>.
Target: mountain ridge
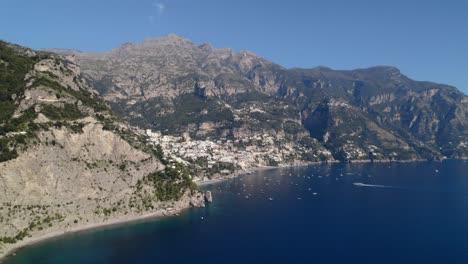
<point x="205" y="45"/>
<point x="148" y="77"/>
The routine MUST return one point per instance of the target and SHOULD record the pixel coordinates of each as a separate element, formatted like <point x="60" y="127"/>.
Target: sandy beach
<point x="10" y="249"/>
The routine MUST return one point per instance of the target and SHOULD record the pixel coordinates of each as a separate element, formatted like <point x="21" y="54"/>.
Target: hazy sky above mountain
<point x="426" y="39"/>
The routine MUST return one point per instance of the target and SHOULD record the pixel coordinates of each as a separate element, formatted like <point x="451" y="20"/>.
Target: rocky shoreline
<point x="8" y="250"/>
<point x="188" y="201"/>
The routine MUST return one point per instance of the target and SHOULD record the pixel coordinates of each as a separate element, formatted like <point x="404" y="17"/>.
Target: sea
<point x="330" y="213"/>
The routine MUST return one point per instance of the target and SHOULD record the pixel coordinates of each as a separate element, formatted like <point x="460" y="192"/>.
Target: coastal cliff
<point x="67" y="162"/>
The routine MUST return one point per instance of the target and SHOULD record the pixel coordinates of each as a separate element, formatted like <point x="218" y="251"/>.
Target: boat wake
<point x="360" y="184"/>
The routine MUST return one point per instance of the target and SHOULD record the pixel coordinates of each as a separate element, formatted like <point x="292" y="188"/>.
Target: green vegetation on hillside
<point x="185" y="109"/>
<point x="13" y="69"/>
<point x="84" y="96"/>
<point x="15" y="63"/>
<point x="68" y="112"/>
<point x="170" y="183"/>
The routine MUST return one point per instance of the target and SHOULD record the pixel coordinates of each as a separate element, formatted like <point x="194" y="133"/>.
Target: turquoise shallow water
<point x="358" y="213"/>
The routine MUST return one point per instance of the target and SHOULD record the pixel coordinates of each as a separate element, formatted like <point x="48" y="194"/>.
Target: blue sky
<point x="426" y="39"/>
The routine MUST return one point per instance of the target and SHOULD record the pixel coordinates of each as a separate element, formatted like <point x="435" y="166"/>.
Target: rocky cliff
<point x="66" y="160"/>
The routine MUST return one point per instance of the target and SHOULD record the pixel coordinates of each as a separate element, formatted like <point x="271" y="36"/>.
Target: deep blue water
<point x="316" y="214"/>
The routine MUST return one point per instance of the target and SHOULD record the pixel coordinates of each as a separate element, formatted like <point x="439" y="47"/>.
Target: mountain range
<point x="172" y="85"/>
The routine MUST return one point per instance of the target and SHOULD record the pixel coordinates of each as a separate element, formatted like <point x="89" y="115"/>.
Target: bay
<point x="331" y="213"/>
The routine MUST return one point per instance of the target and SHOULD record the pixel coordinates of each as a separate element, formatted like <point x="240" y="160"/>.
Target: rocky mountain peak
<point x="390" y="70"/>
<point x="171" y="39"/>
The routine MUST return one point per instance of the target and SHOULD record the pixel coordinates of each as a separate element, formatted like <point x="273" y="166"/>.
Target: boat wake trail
<point x="360" y="184"/>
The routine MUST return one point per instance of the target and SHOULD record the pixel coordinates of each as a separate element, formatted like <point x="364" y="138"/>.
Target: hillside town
<point x="220" y="158"/>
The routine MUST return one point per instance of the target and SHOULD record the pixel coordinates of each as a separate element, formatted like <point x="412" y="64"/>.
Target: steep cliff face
<point x="350" y="134"/>
<point x="430" y="118"/>
<point x="170" y="78"/>
<point x="66" y="160"/>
